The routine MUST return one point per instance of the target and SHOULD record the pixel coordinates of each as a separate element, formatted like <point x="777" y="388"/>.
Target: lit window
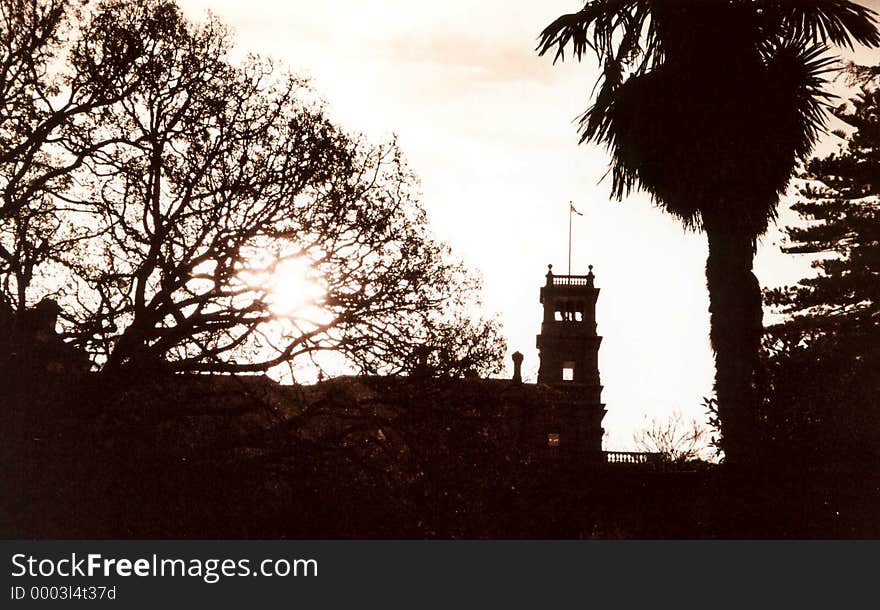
<point x="568" y="371"/>
<point x="553" y="439"/>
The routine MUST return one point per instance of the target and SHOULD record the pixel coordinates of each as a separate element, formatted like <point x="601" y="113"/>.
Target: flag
<point x="571" y="205"/>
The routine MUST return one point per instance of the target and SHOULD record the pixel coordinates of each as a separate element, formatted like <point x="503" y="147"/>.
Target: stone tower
<point x="568" y="347"/>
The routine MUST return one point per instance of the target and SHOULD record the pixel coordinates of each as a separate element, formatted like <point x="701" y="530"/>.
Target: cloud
<point x="476" y="57"/>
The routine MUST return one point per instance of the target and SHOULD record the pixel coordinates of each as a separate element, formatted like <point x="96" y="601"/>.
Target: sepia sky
<point x="491" y="130"/>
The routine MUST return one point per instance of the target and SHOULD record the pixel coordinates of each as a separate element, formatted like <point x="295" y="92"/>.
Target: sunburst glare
<point x="295" y="289"/>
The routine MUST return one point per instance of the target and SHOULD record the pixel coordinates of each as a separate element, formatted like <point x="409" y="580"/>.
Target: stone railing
<point x="631" y="457"/>
<point x="571" y="280"/>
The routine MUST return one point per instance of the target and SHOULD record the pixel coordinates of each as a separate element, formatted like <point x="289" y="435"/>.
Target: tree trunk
<point x="736" y="319"/>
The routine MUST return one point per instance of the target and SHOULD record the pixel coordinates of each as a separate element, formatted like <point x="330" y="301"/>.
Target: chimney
<point x="517" y="367"/>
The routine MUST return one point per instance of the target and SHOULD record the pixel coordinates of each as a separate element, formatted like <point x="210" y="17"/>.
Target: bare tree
<point x="56" y="70"/>
<point x="211" y="180"/>
<point x="674" y="438"/>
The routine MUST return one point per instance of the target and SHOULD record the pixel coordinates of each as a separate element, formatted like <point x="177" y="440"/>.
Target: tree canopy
<point x="192" y="213"/>
<point x="675" y="98"/>
<point x="821" y="361"/>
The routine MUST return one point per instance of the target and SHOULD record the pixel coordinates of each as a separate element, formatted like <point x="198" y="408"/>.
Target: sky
<point x="491" y="130"/>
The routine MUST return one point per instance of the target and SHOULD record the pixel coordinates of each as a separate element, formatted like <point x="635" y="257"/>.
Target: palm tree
<point x="709" y="107"/>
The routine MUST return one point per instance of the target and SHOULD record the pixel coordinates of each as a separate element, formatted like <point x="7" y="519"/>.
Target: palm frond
<point x="838" y="22"/>
<point x="572" y="28"/>
<point x="593" y="28"/>
<point x="796" y="71"/>
<point x="708" y="105"/>
<point x="615" y="31"/>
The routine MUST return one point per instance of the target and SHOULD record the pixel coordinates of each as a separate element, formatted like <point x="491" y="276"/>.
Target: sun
<point x="295" y="289"/>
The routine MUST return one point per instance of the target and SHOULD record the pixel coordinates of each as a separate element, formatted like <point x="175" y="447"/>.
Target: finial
<point x="590" y="267"/>
<point x="549" y="275"/>
<point x="550" y="269"/>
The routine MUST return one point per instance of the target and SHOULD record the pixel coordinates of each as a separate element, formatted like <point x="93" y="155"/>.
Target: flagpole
<point x="570" y="206"/>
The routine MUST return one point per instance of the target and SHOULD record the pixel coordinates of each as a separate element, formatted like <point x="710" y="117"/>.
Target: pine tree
<point x="841" y="202"/>
<point x="822" y="362"/>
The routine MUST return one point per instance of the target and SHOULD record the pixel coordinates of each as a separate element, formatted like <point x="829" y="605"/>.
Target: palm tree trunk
<point x="736" y="329"/>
